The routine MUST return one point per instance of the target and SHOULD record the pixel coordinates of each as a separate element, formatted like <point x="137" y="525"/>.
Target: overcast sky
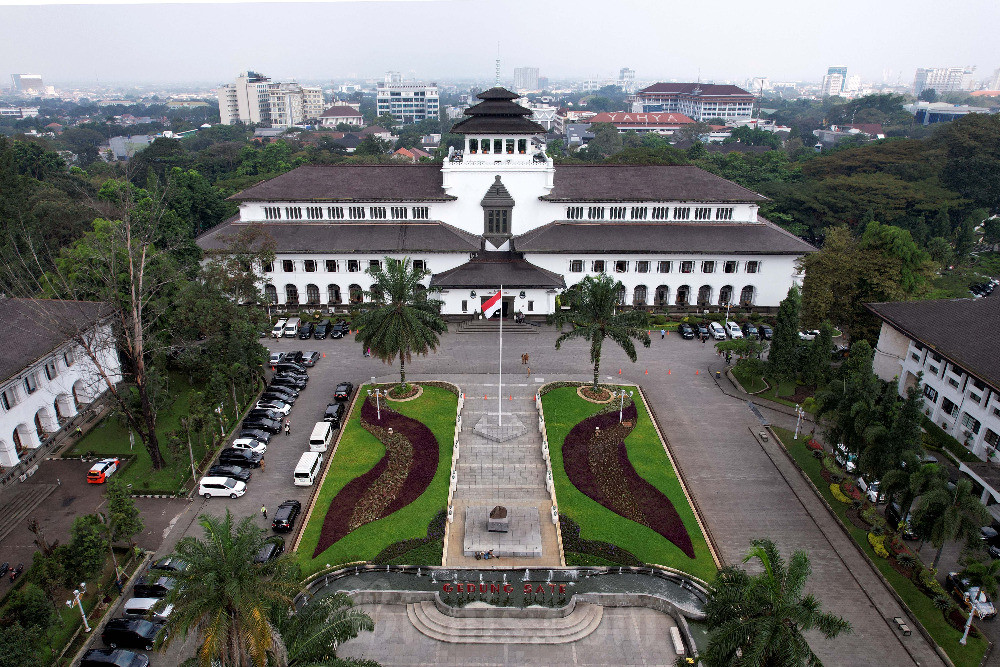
<point x="441" y="39"/>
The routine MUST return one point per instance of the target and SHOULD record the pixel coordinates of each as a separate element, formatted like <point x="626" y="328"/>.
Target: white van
<point x="308" y="469"/>
<point x="321" y="437"/>
<point x="733" y="329"/>
<point x="291" y="327"/>
<point x="143" y="608"/>
<point x="718" y="333"/>
<point x="221" y="486"/>
<point x="278" y="329"/>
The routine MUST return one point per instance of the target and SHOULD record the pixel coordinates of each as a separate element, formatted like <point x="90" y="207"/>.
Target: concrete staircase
<point x="18" y="502"/>
<point x="493" y="326"/>
<point x="505" y="629"/>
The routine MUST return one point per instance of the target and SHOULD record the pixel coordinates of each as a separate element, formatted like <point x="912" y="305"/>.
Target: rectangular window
<point x="933" y="369"/>
<point x="724" y="214"/>
<point x="353" y="266"/>
<point x="377" y="212"/>
<point x="335" y="212"/>
<point x="730" y="267"/>
<point x="522" y="146"/>
<point x="419" y="265"/>
<point x="753" y="266"/>
<point x="936" y="357"/>
<point x="293" y="212"/>
<point x="708" y="267"/>
<point x="531" y="306"/>
<point x="642" y="267"/>
<point x="498" y="146"/>
<point x="51" y="371"/>
<point x="331" y="266"/>
<point x="310" y="265"/>
<point x="314" y="212"/>
<point x="465" y="304"/>
<point x="991" y="438"/>
<point x="971" y="423"/>
<point x="948" y="407"/>
<point x="356" y="212"/>
<point x="272" y="213"/>
<point x="510" y="147"/>
<point x="486" y="145"/>
<point x="287" y="265"/>
<point x="30" y="383"/>
<point x="702" y="213"/>
<point x="374" y="264"/>
<point x="399" y="212"/>
<point x="268" y="267"/>
<point x="421" y="212"/>
<point x="595" y="213"/>
<point x="574" y="213"/>
<point x="687" y="267"/>
<point x="639" y="212"/>
<point x="915" y="357"/>
<point x="953" y="382"/>
<point x="682" y="212"/>
<point x="69" y="358"/>
<point x="617" y="213"/>
<point x="576" y="266"/>
<point x="8" y="398"/>
<point x="664" y="267"/>
<point x="621" y="266"/>
<point x="598" y="266"/>
<point x="661" y="212"/>
<point x="976" y="398"/>
<point x="930" y="393"/>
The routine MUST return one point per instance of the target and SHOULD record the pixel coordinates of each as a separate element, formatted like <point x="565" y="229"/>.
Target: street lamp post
<point x="378" y="406"/>
<point x="968" y="623"/>
<point x="798" y="420"/>
<point x="620" y="394"/>
<point x="78" y="602"/>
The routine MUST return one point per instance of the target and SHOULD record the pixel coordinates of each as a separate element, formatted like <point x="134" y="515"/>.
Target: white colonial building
<point x="47" y="375"/>
<point x="499" y="211"/>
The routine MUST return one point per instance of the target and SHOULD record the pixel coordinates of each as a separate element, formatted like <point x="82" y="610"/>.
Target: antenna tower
<point x="497" y="82"/>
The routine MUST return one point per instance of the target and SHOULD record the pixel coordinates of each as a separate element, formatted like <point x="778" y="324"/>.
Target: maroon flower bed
<point x="411" y="450"/>
<point x="597" y="464"/>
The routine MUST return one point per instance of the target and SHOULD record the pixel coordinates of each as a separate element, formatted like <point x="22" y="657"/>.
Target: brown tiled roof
<point x="493" y="269"/>
<point x="352" y="182"/>
<point x="497" y="114"/>
<point x="612" y="182"/>
<point x="340" y="111"/>
<point x="662" y="237"/>
<point x="962" y="330"/>
<point x="688" y="88"/>
<point x="36" y="327"/>
<point x="350" y="237"/>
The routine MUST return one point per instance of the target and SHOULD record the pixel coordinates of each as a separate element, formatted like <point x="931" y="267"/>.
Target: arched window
<point x="620" y="295"/>
<point x="291" y="294"/>
<point x="662" y="295"/>
<point x="747" y="295"/>
<point x="333" y="294"/>
<point x="639" y="295"/>
<point x="725" y="295"/>
<point x="705" y="295"/>
<point x="355" y="293"/>
<point x="312" y="294"/>
<point x="270" y="293"/>
<point x="683" y="293"/>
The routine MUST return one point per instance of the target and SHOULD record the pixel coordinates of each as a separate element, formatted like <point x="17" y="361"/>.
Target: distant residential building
<point x="407" y="102"/>
<point x="626" y="79"/>
<point x="543" y="114"/>
<point x="28" y="84"/>
<point x="660" y="123"/>
<point x="18" y="112"/>
<point x="577" y="134"/>
<point x="336" y="115"/>
<point x="124" y="147"/>
<point x="525" y="78"/>
<point x="186" y="104"/>
<point x="451" y="113"/>
<point x="994" y="82"/>
<point x="286" y="104"/>
<point x="944" y="79"/>
<point x="254" y="98"/>
<point x="927" y="113"/>
<point x="565" y="117"/>
<point x="698" y="101"/>
<point x="838" y="133"/>
<point x="312" y="102"/>
<point x="393" y="77"/>
<point x="833" y="84"/>
<point x="378" y="131"/>
<point x="411" y="154"/>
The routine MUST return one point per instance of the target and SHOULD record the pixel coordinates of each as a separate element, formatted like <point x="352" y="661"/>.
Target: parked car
<point x="893" y="514"/>
<point x="275" y="358"/>
<point x="279" y="327"/>
<point x="334" y="413"/>
<point x="285" y="515"/>
<point x="840" y="352"/>
<point x="293" y="357"/>
<point x="256" y="434"/>
<point x="277" y="394"/>
<point x="991" y="540"/>
<point x="119" y="657"/>
<point x="808" y="335"/>
<point x="321" y="330"/>
<point x="733" y="329"/>
<point x="306" y="330"/>
<point x="766" y="332"/>
<point x="249" y="443"/>
<point x="750" y="331"/>
<point x="716" y="331"/>
<point x="701" y="330"/>
<point x="961" y="589"/>
<point x="131" y="633"/>
<point x="343" y="391"/>
<point x="148" y="609"/>
<point x="281" y="407"/>
<point x="153" y="585"/>
<point x="100" y="471"/>
<point x="845" y="458"/>
<point x="685" y="330"/>
<point x="262" y="424"/>
<point x="310" y="359"/>
<point x="300" y="376"/>
<point x="212" y="487"/>
<point x="243" y="458"/>
<point x="236" y="472"/>
<point x="170" y="564"/>
<point x="287" y="381"/>
<point x="292" y="366"/>
<point x="869" y="488"/>
<point x="340" y="329"/>
<point x="273" y="548"/>
<point x="266" y="413"/>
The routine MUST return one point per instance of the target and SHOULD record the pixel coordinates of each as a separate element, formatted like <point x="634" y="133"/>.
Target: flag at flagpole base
<point x="491" y="305"/>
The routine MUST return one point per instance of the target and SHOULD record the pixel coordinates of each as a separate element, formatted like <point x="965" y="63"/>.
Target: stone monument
<point x="499" y="520"/>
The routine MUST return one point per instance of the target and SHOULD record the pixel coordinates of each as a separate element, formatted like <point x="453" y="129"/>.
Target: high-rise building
<point x="254" y="98"/>
<point x="28" y="84"/>
<point x="833" y="84"/>
<point x="943" y="79"/>
<point x="626" y="79"/>
<point x="994" y="83"/>
<point x="842" y="71"/>
<point x="407" y="102"/>
<point x="393" y="77"/>
<point x="525" y="78"/>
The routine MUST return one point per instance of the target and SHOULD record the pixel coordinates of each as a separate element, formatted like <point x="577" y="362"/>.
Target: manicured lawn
<point x="563" y="410"/>
<point x="921" y="605"/>
<point x="754" y="383"/>
<point x="751" y="381"/>
<point x="110" y="438"/>
<point x="357" y="453"/>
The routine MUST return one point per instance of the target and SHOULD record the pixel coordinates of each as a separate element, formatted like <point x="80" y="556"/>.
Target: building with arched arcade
<point x="53" y="363"/>
<point x="499" y="211"/>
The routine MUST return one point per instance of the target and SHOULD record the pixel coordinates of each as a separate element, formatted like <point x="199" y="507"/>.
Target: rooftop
<point x="497" y="114"/>
<point x="695" y="88"/>
<point x="352" y="182"/>
<point x="509" y="269"/>
<point x="340" y="111"/>
<point x="629" y="119"/>
<point x="42" y="325"/>
<point x="574" y="182"/>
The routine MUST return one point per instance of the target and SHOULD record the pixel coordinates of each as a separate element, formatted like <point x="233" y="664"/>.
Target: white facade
<point x="525" y="78"/>
<point x="407" y="102"/>
<point x="47" y="392"/>
<point x="944" y="79"/>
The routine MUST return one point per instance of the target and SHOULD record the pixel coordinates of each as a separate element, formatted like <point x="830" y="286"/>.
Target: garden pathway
<point x="510" y="473"/>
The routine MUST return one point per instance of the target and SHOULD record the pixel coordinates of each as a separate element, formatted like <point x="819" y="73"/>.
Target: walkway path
<point x="508" y="473"/>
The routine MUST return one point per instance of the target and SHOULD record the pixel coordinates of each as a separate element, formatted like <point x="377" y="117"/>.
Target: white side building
<point x="48" y="375"/>
<point x="407" y="102"/>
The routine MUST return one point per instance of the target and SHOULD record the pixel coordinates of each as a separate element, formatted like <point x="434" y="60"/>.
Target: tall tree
<point x="851" y="401"/>
<point x="123" y="516"/>
<point x="226" y="597"/>
<point x="761" y="619"/>
<point x="946" y="514"/>
<point x="400" y="319"/>
<point x="816" y="365"/>
<point x="984" y="574"/>
<point x="594" y="316"/>
<point x="312" y="634"/>
<point x="783" y="356"/>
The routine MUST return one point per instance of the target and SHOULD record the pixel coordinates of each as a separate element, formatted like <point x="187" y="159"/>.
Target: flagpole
<point x="500" y="376"/>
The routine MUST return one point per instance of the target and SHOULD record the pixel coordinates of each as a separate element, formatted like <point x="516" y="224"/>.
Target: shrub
<point x="838" y="495"/>
<point x="572" y="542"/>
<point x="878" y="544"/>
<point x="815" y="445"/>
<point x="851" y="490"/>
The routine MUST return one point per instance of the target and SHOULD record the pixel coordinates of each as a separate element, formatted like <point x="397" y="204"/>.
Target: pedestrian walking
<point x="529" y="371"/>
<point x="263" y="510"/>
<point x="704" y="339"/>
<point x="663" y="334"/>
<point x="288" y="427"/>
<point x="527" y="358"/>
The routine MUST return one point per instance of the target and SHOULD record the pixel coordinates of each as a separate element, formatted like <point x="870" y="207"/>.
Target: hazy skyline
<point x="441" y="39"/>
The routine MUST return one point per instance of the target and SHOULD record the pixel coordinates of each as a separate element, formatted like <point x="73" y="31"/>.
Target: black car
<point x="153" y="585"/>
<point x="262" y="424"/>
<point x="840" y="352"/>
<point x="293" y="357"/>
<point x="991" y="540"/>
<point x="321" y="330"/>
<point x="750" y="331"/>
<point x="256" y="434"/>
<point x="131" y="633"/>
<point x="297" y="375"/>
<point x="118" y="657"/>
<point x="285" y="515"/>
<point x="702" y="330"/>
<point x="273" y="548"/>
<point x="288" y="381"/>
<point x="291" y="366"/>
<point x="340" y="329"/>
<point x="170" y="564"/>
<point x="265" y="413"/>
<point x="279" y="394"/>
<point x="765" y="332"/>
<point x="686" y="331"/>
<point x="243" y="458"/>
<point x="893" y="515"/>
<point x="236" y="472"/>
<point x="334" y="413"/>
<point x="306" y="330"/>
<point x="343" y="391"/>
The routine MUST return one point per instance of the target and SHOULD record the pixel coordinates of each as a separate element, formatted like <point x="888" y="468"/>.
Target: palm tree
<point x="594" y="318"/>
<point x="399" y="320"/>
<point x="226" y="597"/>
<point x="760" y="619"/>
<point x="912" y="481"/>
<point x="312" y="634"/>
<point x="947" y="514"/>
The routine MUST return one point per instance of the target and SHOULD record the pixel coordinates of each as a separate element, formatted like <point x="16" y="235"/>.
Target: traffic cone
<point x="324" y="355"/>
<point x="647" y="371"/>
<point x="668" y="371"/>
<point x="510" y="397"/>
<point x="696" y="372"/>
<point x="619" y="371"/>
<point x="484" y="397"/>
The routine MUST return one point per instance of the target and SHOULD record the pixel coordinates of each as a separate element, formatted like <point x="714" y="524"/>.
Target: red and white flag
<point x="491" y="305"/>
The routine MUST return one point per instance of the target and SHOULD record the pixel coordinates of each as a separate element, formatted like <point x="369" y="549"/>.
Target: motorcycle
<point x="16" y="572"/>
